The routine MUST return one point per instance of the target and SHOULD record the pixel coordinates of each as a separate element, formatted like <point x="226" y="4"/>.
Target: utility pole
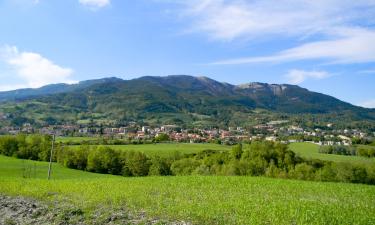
<point x="50" y="157"/>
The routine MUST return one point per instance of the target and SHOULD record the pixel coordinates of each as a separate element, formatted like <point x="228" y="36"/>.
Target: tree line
<point x="364" y="151"/>
<point x="255" y="159"/>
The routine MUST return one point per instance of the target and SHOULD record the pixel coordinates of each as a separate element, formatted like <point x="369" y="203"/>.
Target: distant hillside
<point x="179" y="99"/>
<point x="49" y="89"/>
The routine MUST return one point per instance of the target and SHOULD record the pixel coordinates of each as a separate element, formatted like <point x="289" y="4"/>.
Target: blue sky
<point x="326" y="46"/>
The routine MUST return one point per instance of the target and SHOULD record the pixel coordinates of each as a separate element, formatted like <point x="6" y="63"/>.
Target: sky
<point x="327" y="46"/>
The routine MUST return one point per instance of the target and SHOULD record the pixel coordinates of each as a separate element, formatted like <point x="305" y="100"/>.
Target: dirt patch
<point x="20" y="210"/>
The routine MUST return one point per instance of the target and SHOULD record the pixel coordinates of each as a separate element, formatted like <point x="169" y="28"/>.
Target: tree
<point x="303" y="171"/>
<point x="8" y="145"/>
<point x="159" y="167"/>
<point x="137" y="163"/>
<point x="237" y="151"/>
<point x="184" y="166"/>
<point x="162" y="137"/>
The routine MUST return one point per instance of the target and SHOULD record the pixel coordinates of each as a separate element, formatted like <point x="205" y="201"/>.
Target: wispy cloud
<point x="368" y="104"/>
<point x="338" y="31"/>
<point x="227" y="20"/>
<point x="33" y="69"/>
<point x="95" y="4"/>
<point x="353" y="45"/>
<point x="298" y="76"/>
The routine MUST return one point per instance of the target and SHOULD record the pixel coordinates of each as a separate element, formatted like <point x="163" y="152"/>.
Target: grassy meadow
<point x="76" y="139"/>
<point x="310" y="150"/>
<point x="198" y="199"/>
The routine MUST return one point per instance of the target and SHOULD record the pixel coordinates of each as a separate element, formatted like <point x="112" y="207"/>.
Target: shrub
<point x="104" y="160"/>
<point x="184" y="166"/>
<point x="303" y="171"/>
<point x="137" y="164"/>
<point x="159" y="167"/>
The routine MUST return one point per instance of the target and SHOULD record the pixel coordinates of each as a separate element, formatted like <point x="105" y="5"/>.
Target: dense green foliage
<point x="257" y="159"/>
<point x="365" y="151"/>
<point x="35" y="147"/>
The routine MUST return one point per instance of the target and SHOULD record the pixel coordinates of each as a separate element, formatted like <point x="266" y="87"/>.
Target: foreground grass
<point x="212" y="200"/>
<point x="202" y="200"/>
<point x="167" y="149"/>
<point x="310" y="150"/>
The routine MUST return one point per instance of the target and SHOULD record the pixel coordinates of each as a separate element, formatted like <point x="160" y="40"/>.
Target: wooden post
<point x="50" y="157"/>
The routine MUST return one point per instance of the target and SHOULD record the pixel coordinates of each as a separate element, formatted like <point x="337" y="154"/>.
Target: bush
<point x="161" y="137"/>
<point x="104" y="160"/>
<point x="185" y="166"/>
<point x="366" y="152"/>
<point x="8" y="145"/>
<point x="136" y="164"/>
<point x="159" y="167"/>
<point x="303" y="171"/>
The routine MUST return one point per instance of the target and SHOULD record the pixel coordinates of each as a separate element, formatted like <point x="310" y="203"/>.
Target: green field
<point x="167" y="149"/>
<point x="311" y="151"/>
<point x="75" y="139"/>
<point x="201" y="200"/>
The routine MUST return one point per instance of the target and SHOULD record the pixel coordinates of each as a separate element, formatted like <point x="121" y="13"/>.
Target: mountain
<point x="50" y="89"/>
<point x="178" y="99"/>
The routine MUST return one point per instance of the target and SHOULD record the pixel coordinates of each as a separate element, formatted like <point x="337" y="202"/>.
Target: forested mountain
<point x="49" y="89"/>
<point x="179" y="99"/>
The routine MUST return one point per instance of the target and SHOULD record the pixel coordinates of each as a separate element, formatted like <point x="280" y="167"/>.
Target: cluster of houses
<point x="271" y="131"/>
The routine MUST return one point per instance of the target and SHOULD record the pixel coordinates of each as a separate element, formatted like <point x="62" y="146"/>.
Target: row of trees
<point x="255" y="159"/>
<point x="103" y="159"/>
<point x="34" y="147"/>
<point x="364" y="151"/>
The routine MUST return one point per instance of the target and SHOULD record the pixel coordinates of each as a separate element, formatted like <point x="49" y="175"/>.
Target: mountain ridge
<point x="174" y="99"/>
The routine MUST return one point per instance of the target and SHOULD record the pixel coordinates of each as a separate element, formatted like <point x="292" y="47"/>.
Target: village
<point x="280" y="131"/>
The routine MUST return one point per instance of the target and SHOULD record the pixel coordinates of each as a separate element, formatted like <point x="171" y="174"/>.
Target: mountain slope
<point x="49" y="89"/>
<point x="173" y="99"/>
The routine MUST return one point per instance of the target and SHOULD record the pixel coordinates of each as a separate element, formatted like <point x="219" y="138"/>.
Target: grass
<point x="166" y="149"/>
<point x="17" y="168"/>
<point x="202" y="200"/>
<point x="75" y="139"/>
<point x="365" y="146"/>
<point x="310" y="150"/>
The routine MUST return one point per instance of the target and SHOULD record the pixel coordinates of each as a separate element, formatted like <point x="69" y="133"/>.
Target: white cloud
<point x="339" y="31"/>
<point x="368" y="104"/>
<point x="298" y="76"/>
<point x="95" y="4"/>
<point x="231" y="19"/>
<point x="33" y="69"/>
<point x="352" y="45"/>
